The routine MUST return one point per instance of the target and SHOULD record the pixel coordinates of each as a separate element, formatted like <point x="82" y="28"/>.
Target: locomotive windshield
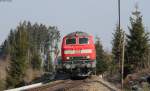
<point x="83" y="40"/>
<point x="71" y="41"/>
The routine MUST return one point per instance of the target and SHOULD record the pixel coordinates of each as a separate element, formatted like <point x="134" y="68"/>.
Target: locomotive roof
<point x="78" y="33"/>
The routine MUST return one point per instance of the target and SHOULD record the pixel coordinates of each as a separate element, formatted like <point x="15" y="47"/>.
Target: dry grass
<point x="4" y="63"/>
<point x="136" y="76"/>
<point x="31" y="75"/>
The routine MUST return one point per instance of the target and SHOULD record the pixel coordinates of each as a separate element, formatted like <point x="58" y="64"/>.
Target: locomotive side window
<point x="83" y="40"/>
<point x="71" y="41"/>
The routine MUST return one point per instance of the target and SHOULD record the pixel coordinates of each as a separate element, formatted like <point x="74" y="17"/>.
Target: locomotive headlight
<point x="69" y="52"/>
<point x="86" y="51"/>
<point x="87" y="57"/>
<point x="67" y="58"/>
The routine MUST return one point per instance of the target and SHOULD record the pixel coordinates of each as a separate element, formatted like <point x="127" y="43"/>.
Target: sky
<point x="96" y="17"/>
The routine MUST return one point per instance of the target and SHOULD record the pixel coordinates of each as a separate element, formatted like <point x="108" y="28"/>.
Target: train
<point x="78" y="54"/>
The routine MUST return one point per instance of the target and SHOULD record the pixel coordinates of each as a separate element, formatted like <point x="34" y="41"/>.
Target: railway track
<point x="61" y="85"/>
<point x="48" y="85"/>
<point x="75" y="85"/>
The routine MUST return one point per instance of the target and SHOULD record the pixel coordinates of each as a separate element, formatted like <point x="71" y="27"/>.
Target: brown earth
<point x="90" y="84"/>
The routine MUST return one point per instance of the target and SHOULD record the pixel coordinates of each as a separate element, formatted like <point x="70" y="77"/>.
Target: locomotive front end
<point x="78" y="53"/>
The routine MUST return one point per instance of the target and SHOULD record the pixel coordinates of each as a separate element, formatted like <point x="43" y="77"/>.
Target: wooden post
<point x="119" y="13"/>
<point x="123" y="46"/>
<point x="122" y="64"/>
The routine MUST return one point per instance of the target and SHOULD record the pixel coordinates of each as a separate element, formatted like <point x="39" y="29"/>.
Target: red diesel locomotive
<point x="78" y="54"/>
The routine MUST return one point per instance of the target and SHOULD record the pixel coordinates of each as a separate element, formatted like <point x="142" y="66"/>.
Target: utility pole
<point x="122" y="64"/>
<point x="123" y="45"/>
<point x="119" y="13"/>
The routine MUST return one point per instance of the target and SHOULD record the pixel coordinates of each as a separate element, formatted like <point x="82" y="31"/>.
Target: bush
<point x="2" y="85"/>
<point x="101" y="66"/>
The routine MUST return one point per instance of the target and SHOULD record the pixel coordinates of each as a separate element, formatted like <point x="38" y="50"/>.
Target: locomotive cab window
<point x="83" y="40"/>
<point x="71" y="41"/>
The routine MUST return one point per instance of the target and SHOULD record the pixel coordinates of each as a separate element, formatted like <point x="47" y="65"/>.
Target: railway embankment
<point x="93" y="83"/>
<point x="137" y="81"/>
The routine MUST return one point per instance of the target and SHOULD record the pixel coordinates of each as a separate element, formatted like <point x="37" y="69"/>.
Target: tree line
<point x="137" y="49"/>
<point x="28" y="47"/>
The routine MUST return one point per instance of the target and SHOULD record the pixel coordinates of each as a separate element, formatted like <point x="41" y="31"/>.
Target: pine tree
<point x="29" y="46"/>
<point x="101" y="65"/>
<point x="117" y="44"/>
<point x="36" y="61"/>
<point x="18" y="58"/>
<point x="137" y="44"/>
